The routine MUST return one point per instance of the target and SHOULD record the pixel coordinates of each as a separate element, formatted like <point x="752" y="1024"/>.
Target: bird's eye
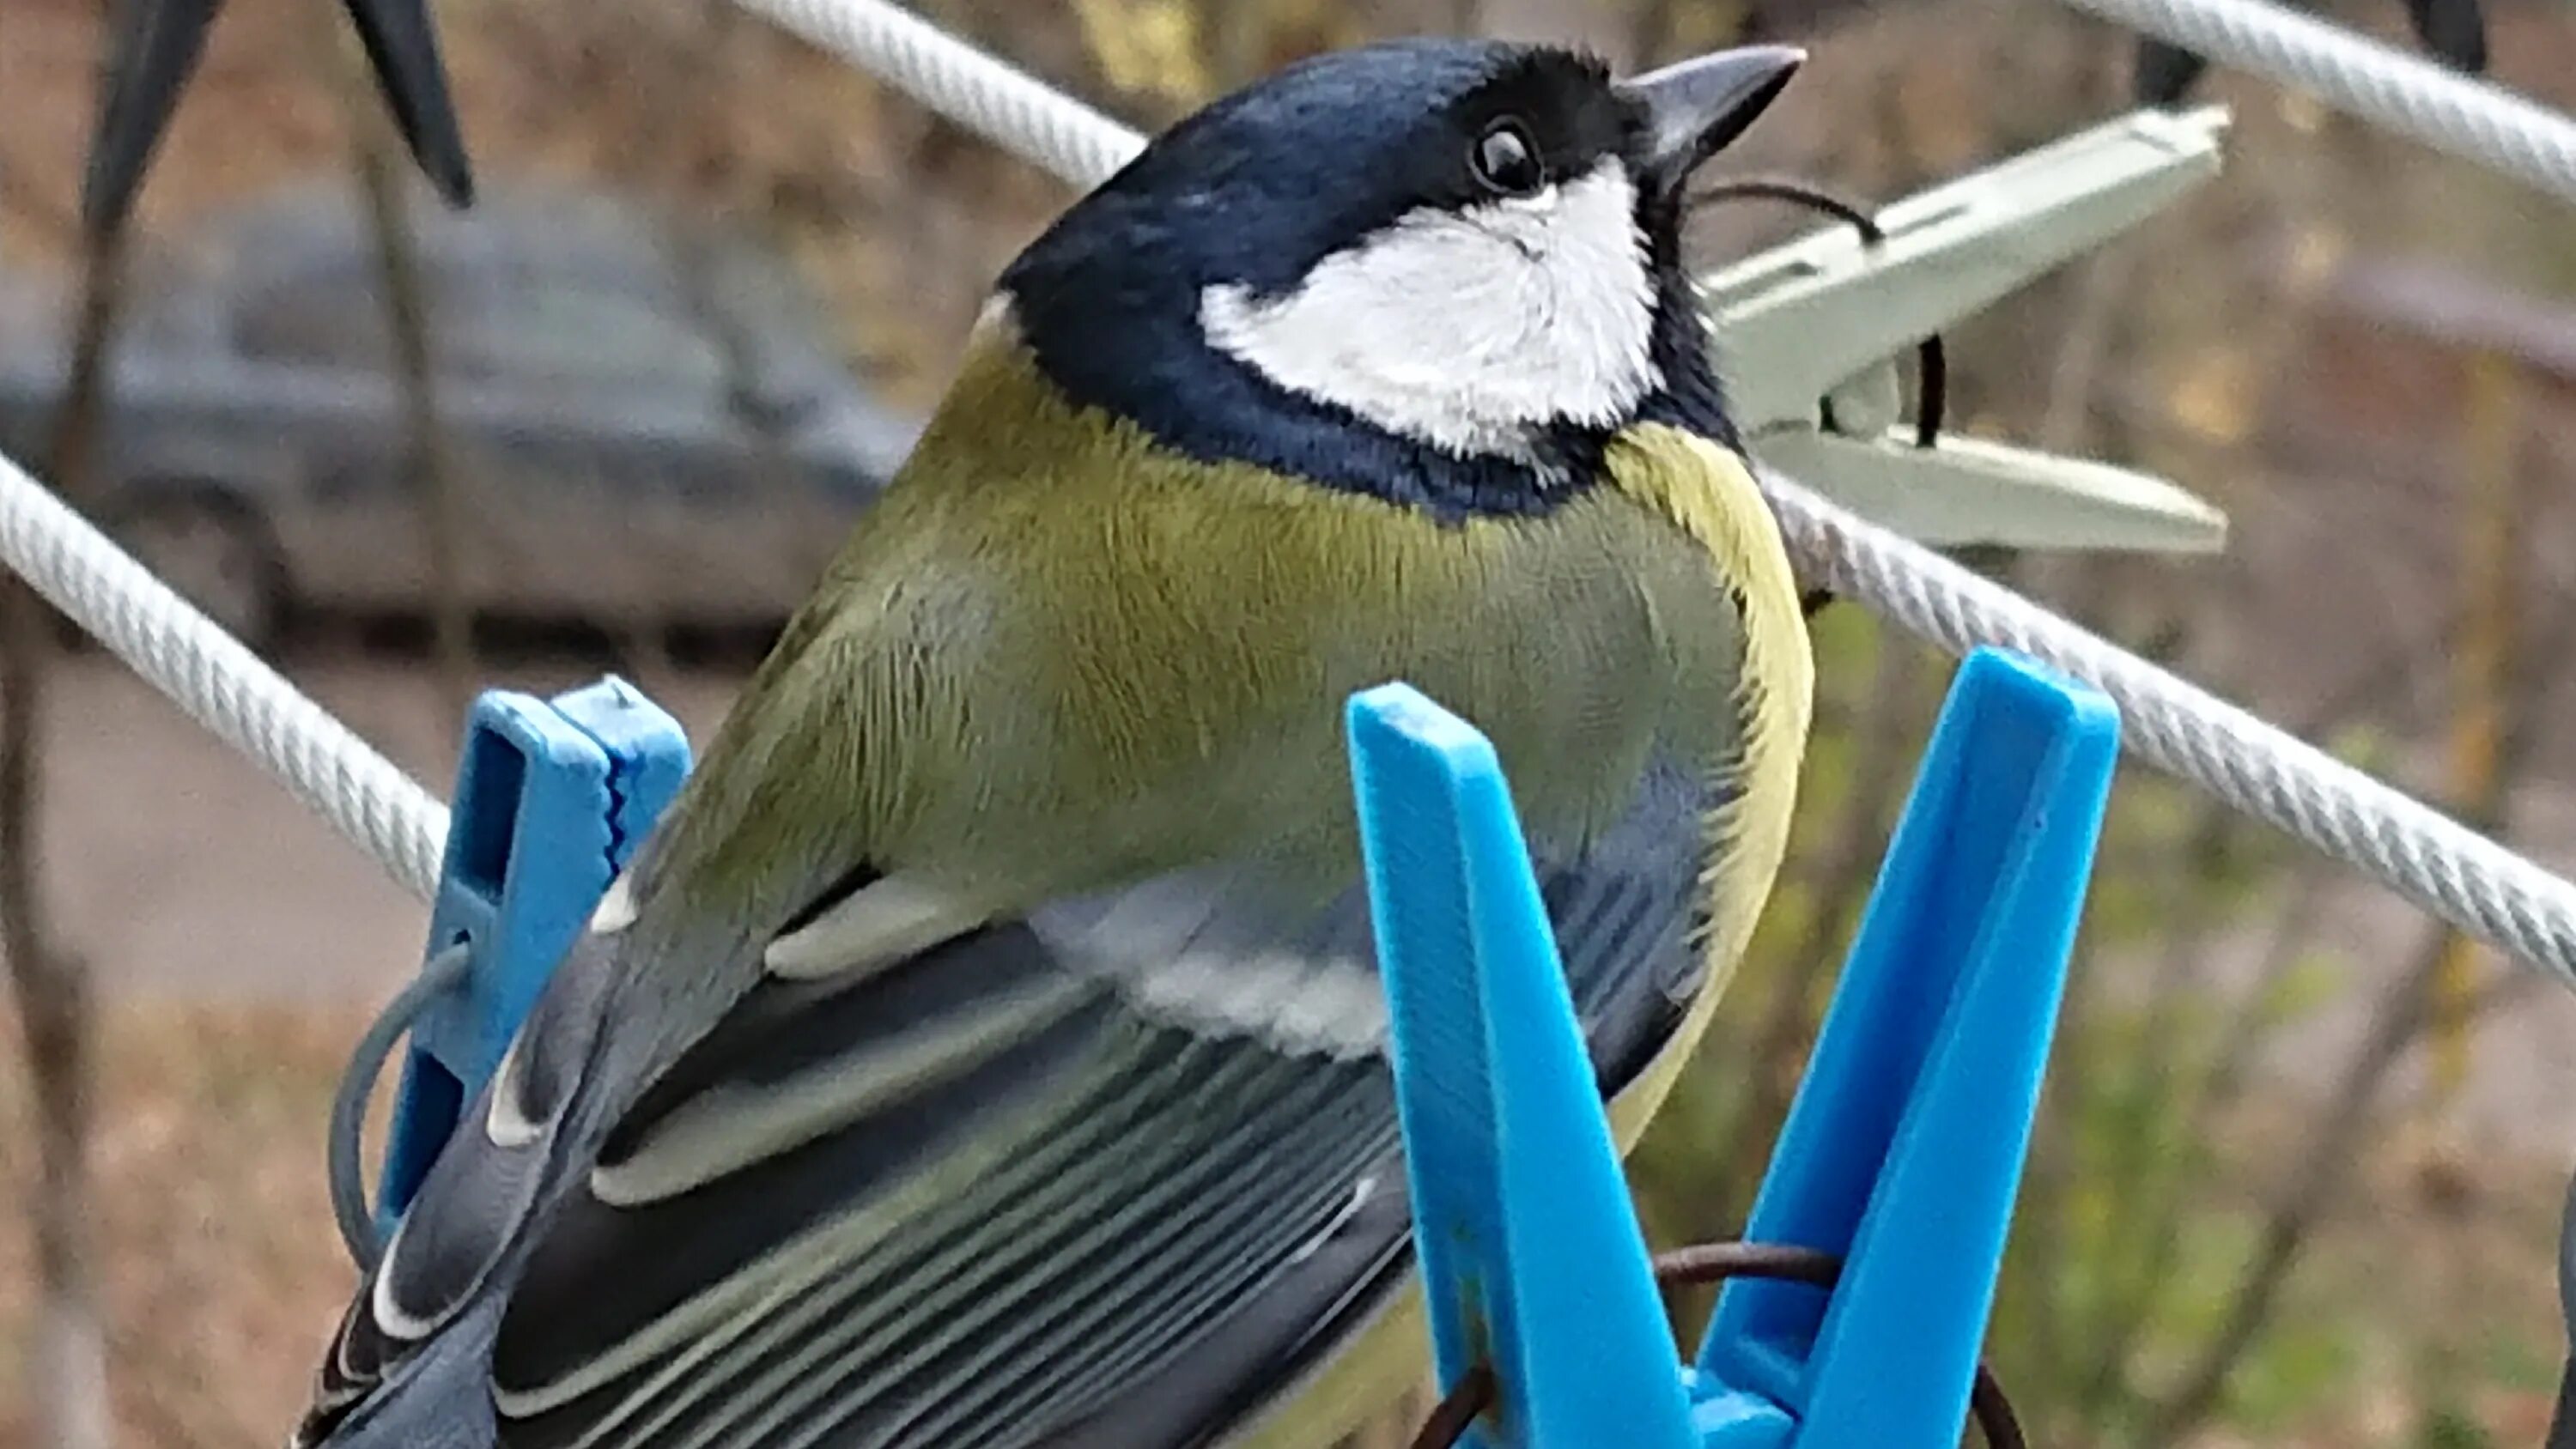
<point x="1504" y="160"/>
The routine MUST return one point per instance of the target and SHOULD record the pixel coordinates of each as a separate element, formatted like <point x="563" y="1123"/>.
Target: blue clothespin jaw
<point x="552" y="797"/>
<point x="1531" y="1253"/>
<point x="1903" y="1152"/>
<point x="1904" y="1149"/>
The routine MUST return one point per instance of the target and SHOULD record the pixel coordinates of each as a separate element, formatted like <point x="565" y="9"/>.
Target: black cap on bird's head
<point x="1439" y="272"/>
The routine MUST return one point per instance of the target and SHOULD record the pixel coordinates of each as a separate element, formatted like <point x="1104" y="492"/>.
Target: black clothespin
<point x="156" y="49"/>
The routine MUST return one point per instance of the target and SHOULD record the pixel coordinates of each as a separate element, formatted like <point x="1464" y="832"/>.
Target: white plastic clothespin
<point x="1827" y="315"/>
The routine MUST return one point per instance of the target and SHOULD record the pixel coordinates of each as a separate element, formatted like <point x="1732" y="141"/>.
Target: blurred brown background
<point x="2299" y="1176"/>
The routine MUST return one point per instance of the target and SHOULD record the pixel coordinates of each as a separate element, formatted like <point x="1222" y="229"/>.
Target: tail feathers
<point x="441" y="1283"/>
<point x="440" y="1398"/>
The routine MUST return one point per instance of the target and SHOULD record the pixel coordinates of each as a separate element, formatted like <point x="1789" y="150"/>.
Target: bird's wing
<point x="1108" y="1175"/>
<point x="409" y="1363"/>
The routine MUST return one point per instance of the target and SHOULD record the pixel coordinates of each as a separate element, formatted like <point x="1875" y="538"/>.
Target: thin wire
<point x="1457" y="1410"/>
<point x="1700" y="1265"/>
<point x="1932" y="362"/>
<point x="341" y="1154"/>
<point x="221" y="684"/>
<point x="1706" y="1263"/>
<point x="1932" y="365"/>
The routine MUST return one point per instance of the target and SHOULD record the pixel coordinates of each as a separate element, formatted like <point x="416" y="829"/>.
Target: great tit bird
<point x="987" y="1048"/>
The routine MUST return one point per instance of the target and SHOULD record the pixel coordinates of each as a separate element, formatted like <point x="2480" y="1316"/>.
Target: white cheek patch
<point x="1466" y="328"/>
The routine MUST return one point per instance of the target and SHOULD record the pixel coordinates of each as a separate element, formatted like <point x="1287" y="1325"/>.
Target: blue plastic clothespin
<point x="1531" y="1256"/>
<point x="1902" y="1153"/>
<point x="1904" y="1149"/>
<point x="552" y="797"/>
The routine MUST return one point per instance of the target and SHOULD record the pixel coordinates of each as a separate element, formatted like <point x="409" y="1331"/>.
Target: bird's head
<point x="1440" y="272"/>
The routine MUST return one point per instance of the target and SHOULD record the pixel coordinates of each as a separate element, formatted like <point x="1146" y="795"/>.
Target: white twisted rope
<point x="2453" y="872"/>
<point x="2473" y="119"/>
<point x="221" y="684"/>
<point x="997" y="101"/>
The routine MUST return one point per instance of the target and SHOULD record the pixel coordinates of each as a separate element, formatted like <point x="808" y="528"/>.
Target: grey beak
<point x="1696" y="106"/>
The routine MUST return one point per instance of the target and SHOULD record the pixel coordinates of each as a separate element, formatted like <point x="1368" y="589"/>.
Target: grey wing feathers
<point x="964" y="1253"/>
<point x="1626" y="913"/>
<point x="1017" y="1190"/>
<point x="433" y="1399"/>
